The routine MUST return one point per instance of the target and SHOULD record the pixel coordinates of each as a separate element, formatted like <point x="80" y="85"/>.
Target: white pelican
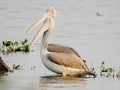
<point x="60" y="62"/>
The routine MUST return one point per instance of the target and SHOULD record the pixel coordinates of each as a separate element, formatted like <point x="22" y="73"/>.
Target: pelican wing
<point x="61" y="49"/>
<point x="67" y="60"/>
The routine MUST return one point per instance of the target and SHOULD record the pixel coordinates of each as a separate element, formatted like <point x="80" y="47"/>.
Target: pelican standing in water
<point x="63" y="61"/>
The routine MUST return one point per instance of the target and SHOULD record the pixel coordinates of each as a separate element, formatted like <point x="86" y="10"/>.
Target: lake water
<point x="92" y="27"/>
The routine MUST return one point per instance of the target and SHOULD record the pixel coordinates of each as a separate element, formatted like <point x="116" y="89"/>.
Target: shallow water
<point x="95" y="37"/>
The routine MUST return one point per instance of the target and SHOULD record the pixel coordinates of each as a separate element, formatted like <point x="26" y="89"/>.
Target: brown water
<point x="91" y="27"/>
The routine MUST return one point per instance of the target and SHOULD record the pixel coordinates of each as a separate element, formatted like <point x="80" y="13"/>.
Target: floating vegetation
<point x="98" y="14"/>
<point x="10" y="46"/>
<point x="33" y="68"/>
<point x="107" y="72"/>
<point x="118" y="74"/>
<point x="16" y="67"/>
<point x="20" y="67"/>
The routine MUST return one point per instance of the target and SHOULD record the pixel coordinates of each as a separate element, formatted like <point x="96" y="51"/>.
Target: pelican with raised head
<point x="60" y="61"/>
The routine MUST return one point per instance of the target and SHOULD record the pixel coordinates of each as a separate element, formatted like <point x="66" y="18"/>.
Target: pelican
<point x="61" y="62"/>
<point x="53" y="47"/>
<point x="4" y="66"/>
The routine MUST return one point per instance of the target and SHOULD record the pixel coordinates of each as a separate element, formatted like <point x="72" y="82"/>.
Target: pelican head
<point x="50" y="12"/>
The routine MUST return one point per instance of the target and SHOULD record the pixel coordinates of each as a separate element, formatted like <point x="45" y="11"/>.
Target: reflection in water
<point x="58" y="82"/>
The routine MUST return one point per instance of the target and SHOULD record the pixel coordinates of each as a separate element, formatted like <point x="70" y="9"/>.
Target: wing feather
<point x="61" y="49"/>
<point x="67" y="60"/>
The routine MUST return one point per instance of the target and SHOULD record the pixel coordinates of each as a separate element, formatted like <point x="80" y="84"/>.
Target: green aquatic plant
<point x="16" y="67"/>
<point x="102" y="67"/>
<point x="118" y="74"/>
<point x="106" y="71"/>
<point x="23" y="42"/>
<point x="98" y="14"/>
<point x="110" y="69"/>
<point x="7" y="43"/>
<point x="15" y="46"/>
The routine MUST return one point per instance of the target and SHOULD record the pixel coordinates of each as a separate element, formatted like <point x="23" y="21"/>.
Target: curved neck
<point x="46" y="35"/>
<point x="44" y="42"/>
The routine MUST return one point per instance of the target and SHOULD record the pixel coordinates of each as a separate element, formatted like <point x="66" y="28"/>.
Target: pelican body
<point x="57" y="58"/>
<point x="61" y="49"/>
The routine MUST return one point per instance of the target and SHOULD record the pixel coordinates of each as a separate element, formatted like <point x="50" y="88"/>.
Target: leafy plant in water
<point x="23" y="42"/>
<point x="24" y="46"/>
<point x="98" y="14"/>
<point x="108" y="72"/>
<point x="10" y="46"/>
<point x="16" y="67"/>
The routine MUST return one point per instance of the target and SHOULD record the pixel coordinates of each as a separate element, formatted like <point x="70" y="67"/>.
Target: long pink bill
<point x="38" y="22"/>
<point x="45" y="27"/>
